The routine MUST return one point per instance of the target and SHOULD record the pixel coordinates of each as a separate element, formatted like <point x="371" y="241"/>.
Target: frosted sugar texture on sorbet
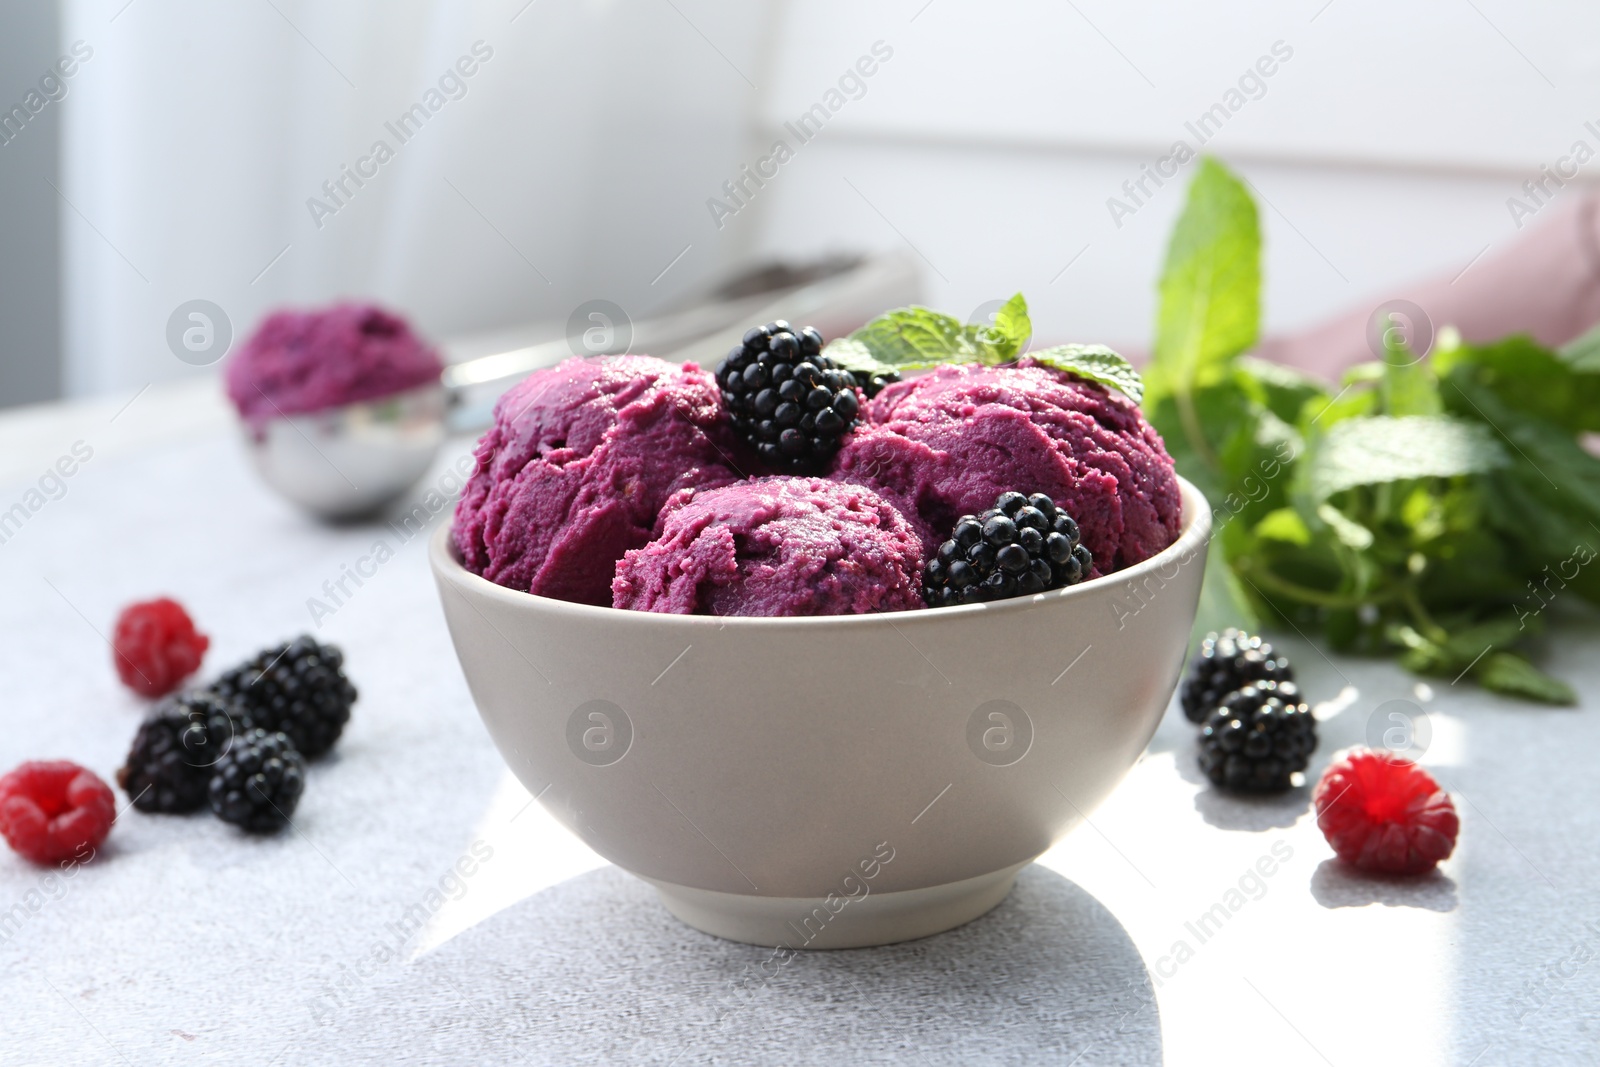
<point x="775" y="546"/>
<point x="299" y="361"/>
<point x="577" y="466"/>
<point x="950" y="442"/>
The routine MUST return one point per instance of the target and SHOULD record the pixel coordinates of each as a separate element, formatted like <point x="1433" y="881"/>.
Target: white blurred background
<point x="579" y="162"/>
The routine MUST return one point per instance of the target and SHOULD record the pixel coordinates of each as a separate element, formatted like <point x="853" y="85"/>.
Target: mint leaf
<point x="1324" y="413"/>
<point x="1583" y="354"/>
<point x="1225" y="417"/>
<point x="1349" y="532"/>
<point x="1560" y="389"/>
<point x="1097" y="363"/>
<point x="915" y="337"/>
<point x="1546" y="505"/>
<point x="1282" y="390"/>
<point x="1405" y="385"/>
<point x="1011" y="330"/>
<point x="1211" y="284"/>
<point x="1460" y="650"/>
<point x="1507" y="672"/>
<point x="854" y="355"/>
<point x="1283" y="524"/>
<point x="1383" y="448"/>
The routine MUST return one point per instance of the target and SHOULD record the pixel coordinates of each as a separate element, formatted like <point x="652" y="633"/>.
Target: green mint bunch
<point x="1439" y="509"/>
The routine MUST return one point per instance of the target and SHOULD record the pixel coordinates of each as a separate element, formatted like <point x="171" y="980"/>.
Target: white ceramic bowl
<point x="831" y="781"/>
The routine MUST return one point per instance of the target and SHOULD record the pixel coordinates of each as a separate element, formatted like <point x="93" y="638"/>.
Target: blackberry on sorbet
<point x="872" y="384"/>
<point x="298" y="687"/>
<point x="786" y="398"/>
<point x="1257" y="738"/>
<point x="169" y="766"/>
<point x="1226" y="662"/>
<point x="1021" y="546"/>
<point x="257" y="785"/>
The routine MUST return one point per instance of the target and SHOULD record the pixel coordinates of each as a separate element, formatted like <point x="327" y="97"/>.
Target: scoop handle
<point x="836" y="300"/>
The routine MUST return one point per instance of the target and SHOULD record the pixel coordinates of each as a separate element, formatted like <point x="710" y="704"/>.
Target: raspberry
<point x="50" y="810"/>
<point x="1385" y="814"/>
<point x="157" y="647"/>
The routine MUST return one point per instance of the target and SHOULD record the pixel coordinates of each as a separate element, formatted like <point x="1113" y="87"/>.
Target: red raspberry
<point x="1385" y="814"/>
<point x="157" y="647"/>
<point x="51" y="810"/>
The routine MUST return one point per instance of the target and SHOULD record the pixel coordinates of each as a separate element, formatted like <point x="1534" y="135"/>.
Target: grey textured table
<point x="357" y="938"/>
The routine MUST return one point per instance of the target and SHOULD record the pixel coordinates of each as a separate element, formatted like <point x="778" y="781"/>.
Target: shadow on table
<point x="596" y="970"/>
<point x="1251" y="812"/>
<point x="1335" y="885"/>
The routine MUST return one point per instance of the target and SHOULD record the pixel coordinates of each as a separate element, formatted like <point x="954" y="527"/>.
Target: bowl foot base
<point x="802" y="922"/>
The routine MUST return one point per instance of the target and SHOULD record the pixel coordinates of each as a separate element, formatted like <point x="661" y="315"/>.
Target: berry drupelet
<point x="786" y="398"/>
<point x="170" y="763"/>
<point x="872" y="384"/>
<point x="298" y="688"/>
<point x="258" y="783"/>
<point x="1226" y="662"/>
<point x="1257" y="738"/>
<point x="1021" y="546"/>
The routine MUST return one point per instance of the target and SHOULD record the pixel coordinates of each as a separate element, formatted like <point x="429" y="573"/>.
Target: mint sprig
<point x="919" y="338"/>
<point x="1418" y="509"/>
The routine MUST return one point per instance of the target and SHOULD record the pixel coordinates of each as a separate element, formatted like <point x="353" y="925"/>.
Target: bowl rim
<point x="1194" y="532"/>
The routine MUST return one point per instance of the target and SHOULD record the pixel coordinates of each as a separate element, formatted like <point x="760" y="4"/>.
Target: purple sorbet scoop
<point x="300" y="361"/>
<point x="577" y="466"/>
<point x="775" y="546"/>
<point x="948" y="443"/>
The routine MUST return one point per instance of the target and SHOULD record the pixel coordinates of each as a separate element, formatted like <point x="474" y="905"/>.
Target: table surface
<point x="350" y="938"/>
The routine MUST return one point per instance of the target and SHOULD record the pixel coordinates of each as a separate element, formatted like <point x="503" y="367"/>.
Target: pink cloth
<point x="1544" y="282"/>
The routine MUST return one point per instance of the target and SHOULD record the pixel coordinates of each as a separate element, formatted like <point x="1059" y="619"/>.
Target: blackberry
<point x="1022" y="545"/>
<point x="786" y="398"/>
<point x="873" y="384"/>
<point x="1257" y="737"/>
<point x="259" y="782"/>
<point x="170" y="763"/>
<point x="1226" y="662"/>
<point x="297" y="687"/>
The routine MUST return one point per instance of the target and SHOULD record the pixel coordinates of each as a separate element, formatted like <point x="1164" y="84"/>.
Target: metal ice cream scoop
<point x="351" y="462"/>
